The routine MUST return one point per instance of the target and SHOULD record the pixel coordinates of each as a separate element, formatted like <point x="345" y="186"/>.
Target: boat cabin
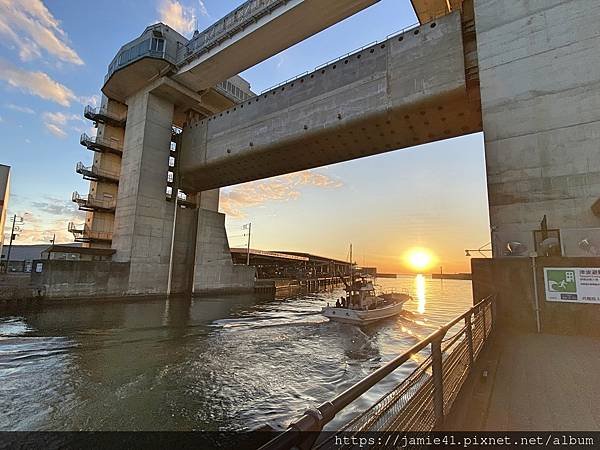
<point x="360" y="295"/>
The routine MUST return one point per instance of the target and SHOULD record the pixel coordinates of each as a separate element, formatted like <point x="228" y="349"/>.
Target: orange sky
<point x="433" y="197"/>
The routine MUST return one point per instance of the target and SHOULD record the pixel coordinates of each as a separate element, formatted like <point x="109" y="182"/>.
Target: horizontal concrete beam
<point x="407" y="91"/>
<point x="288" y="23"/>
<point x="186" y="100"/>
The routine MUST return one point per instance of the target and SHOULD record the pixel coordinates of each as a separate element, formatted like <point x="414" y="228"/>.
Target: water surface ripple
<point x="229" y="363"/>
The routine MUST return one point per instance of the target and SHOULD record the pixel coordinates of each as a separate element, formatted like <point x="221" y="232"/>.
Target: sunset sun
<point x="419" y="259"/>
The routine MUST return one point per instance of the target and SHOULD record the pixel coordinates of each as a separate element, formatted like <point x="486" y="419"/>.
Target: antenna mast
<point x="351" y="267"/>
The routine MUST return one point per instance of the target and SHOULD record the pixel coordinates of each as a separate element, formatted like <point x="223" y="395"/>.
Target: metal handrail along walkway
<point x="420" y="402"/>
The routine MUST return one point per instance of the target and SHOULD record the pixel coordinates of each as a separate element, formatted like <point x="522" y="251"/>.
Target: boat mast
<point x="351" y="267"/>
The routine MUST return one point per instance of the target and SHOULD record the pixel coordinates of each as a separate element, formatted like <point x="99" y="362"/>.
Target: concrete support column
<point x="209" y="200"/>
<point x="144" y="219"/>
<point x="539" y="68"/>
<point x="214" y="270"/>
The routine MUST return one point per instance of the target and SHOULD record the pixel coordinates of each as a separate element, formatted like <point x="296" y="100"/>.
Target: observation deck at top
<point x="255" y="31"/>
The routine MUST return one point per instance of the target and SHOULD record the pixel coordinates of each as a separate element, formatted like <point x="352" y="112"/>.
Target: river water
<point x="229" y="363"/>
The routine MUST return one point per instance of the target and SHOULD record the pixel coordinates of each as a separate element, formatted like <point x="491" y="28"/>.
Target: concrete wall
<point x="407" y="91"/>
<point x="184" y="251"/>
<point x="512" y="280"/>
<point x="214" y="269"/>
<point x="16" y="286"/>
<point x="143" y="218"/>
<point x="540" y="92"/>
<point x="72" y="279"/>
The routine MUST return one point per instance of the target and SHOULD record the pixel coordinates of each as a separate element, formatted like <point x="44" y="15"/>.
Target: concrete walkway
<point x="535" y="382"/>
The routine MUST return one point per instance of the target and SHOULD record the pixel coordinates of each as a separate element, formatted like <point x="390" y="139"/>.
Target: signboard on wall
<point x="572" y="284"/>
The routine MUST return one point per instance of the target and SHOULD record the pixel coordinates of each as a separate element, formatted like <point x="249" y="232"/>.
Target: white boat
<point x="362" y="305"/>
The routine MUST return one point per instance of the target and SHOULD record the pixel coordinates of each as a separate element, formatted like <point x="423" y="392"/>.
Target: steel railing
<point x="89" y="202"/>
<point x="83" y="233"/>
<point x="341" y="58"/>
<point x="99" y="143"/>
<point x="75" y="229"/>
<point x="380" y="290"/>
<point x="232" y="91"/>
<point x="421" y="401"/>
<point x="104" y="115"/>
<point x="94" y="173"/>
<point x="237" y="20"/>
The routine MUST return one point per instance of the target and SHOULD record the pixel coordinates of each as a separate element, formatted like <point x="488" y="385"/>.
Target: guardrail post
<point x="469" y="333"/>
<point x="438" y="382"/>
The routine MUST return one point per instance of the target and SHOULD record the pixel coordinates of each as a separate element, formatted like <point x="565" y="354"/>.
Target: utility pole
<point x="248" y="251"/>
<point x="52" y="242"/>
<point x="172" y="243"/>
<point x="12" y="237"/>
<point x="351" y="266"/>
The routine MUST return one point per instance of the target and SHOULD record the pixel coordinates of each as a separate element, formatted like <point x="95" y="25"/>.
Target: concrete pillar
<point x="209" y="200"/>
<point x="184" y="251"/>
<point x="539" y="68"/>
<point x="143" y="219"/>
<point x="214" y="270"/>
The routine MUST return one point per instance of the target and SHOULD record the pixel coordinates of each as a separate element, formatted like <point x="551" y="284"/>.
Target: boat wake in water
<point x="227" y="363"/>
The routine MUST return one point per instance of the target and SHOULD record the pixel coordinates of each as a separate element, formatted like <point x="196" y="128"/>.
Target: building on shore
<point x="268" y="264"/>
<point x="22" y="256"/>
<point x="290" y="265"/>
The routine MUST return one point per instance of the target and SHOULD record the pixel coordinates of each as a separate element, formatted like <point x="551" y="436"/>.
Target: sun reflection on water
<point x="421" y="293"/>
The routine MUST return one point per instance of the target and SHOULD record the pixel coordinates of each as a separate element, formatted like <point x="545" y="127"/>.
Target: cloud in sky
<point x="31" y="28"/>
<point x="203" y="10"/>
<point x="23" y="109"/>
<point x="283" y="188"/>
<point x="36" y="83"/>
<point x="56" y="207"/>
<point x="57" y="122"/>
<point x="92" y="100"/>
<point x="282" y="59"/>
<point x="56" y="130"/>
<point x="46" y="218"/>
<point x="39" y="229"/>
<point x="177" y="16"/>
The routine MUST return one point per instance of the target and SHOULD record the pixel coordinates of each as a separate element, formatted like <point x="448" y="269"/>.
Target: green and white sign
<point x="572" y="284"/>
